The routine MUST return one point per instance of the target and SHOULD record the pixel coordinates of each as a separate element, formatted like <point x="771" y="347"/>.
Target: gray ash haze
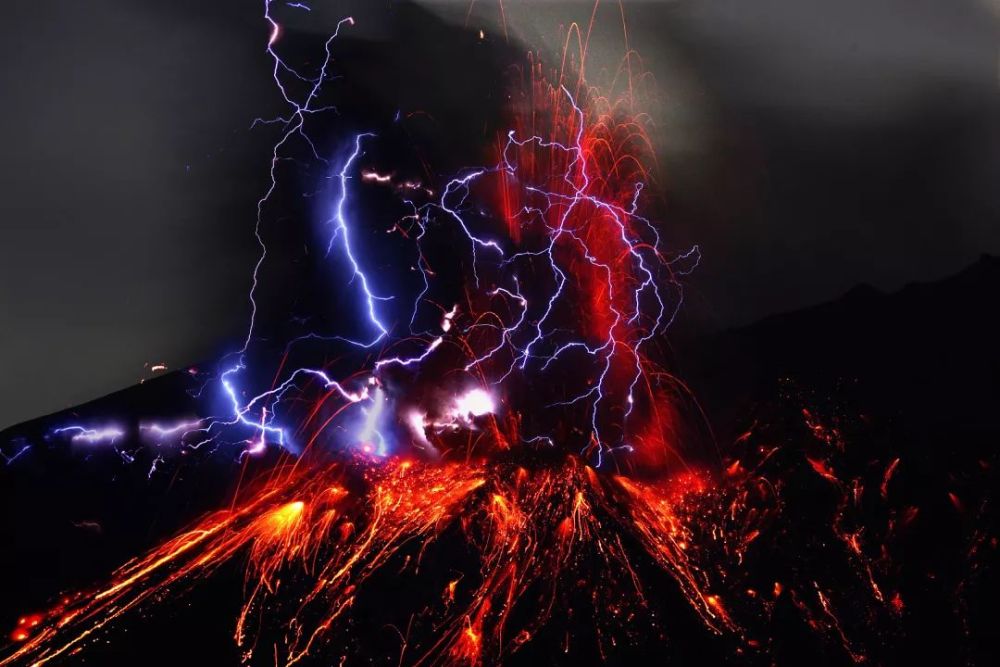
<point x="806" y="145"/>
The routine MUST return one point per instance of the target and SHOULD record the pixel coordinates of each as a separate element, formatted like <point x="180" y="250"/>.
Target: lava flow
<point x="521" y="422"/>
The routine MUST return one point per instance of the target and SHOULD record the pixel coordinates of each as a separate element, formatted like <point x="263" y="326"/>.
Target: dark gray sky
<point x="807" y="145"/>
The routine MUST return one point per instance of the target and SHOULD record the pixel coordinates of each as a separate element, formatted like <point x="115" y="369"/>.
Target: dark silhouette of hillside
<point x="929" y="353"/>
<point x="920" y="370"/>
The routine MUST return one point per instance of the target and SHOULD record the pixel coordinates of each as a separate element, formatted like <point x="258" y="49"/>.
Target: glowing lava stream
<point x="531" y="527"/>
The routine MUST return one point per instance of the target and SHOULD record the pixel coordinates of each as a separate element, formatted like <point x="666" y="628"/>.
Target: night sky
<point x="807" y="146"/>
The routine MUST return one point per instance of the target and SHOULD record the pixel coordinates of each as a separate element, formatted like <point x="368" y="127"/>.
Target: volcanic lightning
<point x="531" y="422"/>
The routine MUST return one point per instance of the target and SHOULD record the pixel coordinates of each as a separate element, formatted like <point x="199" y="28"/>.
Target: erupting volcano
<point x="479" y="410"/>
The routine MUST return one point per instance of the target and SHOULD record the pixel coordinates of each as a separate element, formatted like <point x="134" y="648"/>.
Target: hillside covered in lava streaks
<point x="845" y="519"/>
